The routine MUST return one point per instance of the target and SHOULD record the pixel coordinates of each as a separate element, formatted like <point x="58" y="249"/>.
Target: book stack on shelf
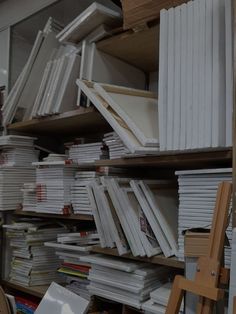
<point x="195" y="75"/>
<point x="115" y="145"/>
<point x="135" y="215"/>
<point x="159" y="299"/>
<point x="197" y="195"/>
<point x="32" y="263"/>
<point x="124" y="281"/>
<point x="71" y="248"/>
<point x="54" y="178"/>
<point x="17" y="154"/>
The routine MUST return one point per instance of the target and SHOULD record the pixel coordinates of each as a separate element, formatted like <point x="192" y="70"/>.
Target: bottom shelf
<point x="37" y="291"/>
<point x="158" y="259"/>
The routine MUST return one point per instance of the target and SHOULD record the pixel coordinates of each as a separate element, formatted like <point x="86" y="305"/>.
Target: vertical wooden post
<point x="234" y="113"/>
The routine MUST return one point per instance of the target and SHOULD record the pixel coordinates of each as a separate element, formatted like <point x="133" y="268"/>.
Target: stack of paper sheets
<point x="159" y="299"/>
<point x="134" y="215"/>
<point x="86" y="153"/>
<point x="232" y="289"/>
<point x="32" y="263"/>
<point x="70" y="247"/>
<point x="29" y="197"/>
<point x="195" y="75"/>
<point x="124" y="281"/>
<point x="79" y="193"/>
<point x="197" y="198"/>
<point x="53" y="184"/>
<point x="20" y="101"/>
<point x="116" y="147"/>
<point x="132" y="113"/>
<point x="88" y="21"/>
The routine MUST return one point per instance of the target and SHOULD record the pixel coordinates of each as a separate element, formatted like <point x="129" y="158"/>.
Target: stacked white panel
<point x="116" y="147"/>
<point x="86" y="153"/>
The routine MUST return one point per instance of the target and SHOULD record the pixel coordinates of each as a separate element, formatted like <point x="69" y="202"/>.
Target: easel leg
<point x="176" y="297"/>
<point x="205" y="306"/>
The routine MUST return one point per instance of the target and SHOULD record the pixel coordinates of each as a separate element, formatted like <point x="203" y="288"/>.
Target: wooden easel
<point x="209" y="271"/>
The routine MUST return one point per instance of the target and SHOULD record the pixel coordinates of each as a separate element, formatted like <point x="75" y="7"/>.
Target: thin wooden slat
<point x="37" y="291"/>
<point x="55" y="216"/>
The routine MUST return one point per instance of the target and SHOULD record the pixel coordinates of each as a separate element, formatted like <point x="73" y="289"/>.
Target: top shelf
<point x="79" y="121"/>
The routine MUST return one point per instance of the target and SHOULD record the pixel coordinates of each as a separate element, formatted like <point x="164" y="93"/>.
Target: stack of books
<point x="124" y="281"/>
<point x="79" y="193"/>
<point x="116" y="147"/>
<point x="70" y="248"/>
<point x="197" y="198"/>
<point x="32" y="263"/>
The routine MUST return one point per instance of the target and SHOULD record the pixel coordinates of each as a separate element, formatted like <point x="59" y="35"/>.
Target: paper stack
<point x="70" y="248"/>
<point x="197" y="198"/>
<point x="134" y="215"/>
<point x="159" y="299"/>
<point x="29" y="197"/>
<point x="195" y="93"/>
<point x="79" y="193"/>
<point x="116" y="147"/>
<point x="53" y="183"/>
<point x="122" y="280"/>
<point x="32" y="263"/>
<point x="86" y="153"/>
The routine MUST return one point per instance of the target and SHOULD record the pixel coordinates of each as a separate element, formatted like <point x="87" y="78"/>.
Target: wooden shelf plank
<point x="182" y="159"/>
<point x="137" y="48"/>
<point x="55" y="216"/>
<point x="37" y="291"/>
<point x="81" y="120"/>
<point x="158" y="259"/>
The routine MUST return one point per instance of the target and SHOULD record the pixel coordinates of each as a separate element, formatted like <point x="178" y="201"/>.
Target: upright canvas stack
<point x="17" y="154"/>
<point x="195" y="75"/>
<point x="115" y="145"/>
<point x="70" y="248"/>
<point x="197" y="197"/>
<point x="53" y="186"/>
<point x="79" y="193"/>
<point x="32" y="263"/>
<point x="135" y="215"/>
<point x="124" y="281"/>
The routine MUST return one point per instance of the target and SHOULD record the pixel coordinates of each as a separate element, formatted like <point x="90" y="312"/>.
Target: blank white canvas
<point x="229" y="70"/>
<point x="170" y="75"/>
<point x="177" y="79"/>
<point x="138" y="111"/>
<point x="162" y="81"/>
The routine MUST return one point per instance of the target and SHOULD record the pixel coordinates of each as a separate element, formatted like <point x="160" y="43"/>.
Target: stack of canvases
<point x="197" y="197"/>
<point x="17" y="154"/>
<point x="70" y="248"/>
<point x="53" y="185"/>
<point x="32" y="263"/>
<point x="115" y="145"/>
<point x="131" y="113"/>
<point x="20" y="100"/>
<point x="195" y="75"/>
<point x="29" y="197"/>
<point x="124" y="281"/>
<point x="135" y="215"/>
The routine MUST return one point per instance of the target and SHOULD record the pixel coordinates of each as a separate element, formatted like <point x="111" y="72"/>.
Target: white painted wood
<point x="139" y="113"/>
<point x="177" y="79"/>
<point x="196" y="70"/>
<point x="184" y="78"/>
<point x="208" y="73"/>
<point x="95" y="15"/>
<point x="117" y="124"/>
<point x="218" y="113"/>
<point x="189" y="86"/>
<point x="202" y="76"/>
<point x="229" y="70"/>
<point x="162" y="81"/>
<point x="170" y="75"/>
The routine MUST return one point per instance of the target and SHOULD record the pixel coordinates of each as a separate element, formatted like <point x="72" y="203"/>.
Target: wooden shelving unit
<point x="54" y="216"/>
<point x="37" y="291"/>
<point x="158" y="259"/>
<point x="81" y="120"/>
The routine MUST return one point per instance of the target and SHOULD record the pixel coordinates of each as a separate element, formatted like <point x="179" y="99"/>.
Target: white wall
<point x="13" y="11"/>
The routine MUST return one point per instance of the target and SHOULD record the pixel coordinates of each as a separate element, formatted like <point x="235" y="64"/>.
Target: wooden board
<point x="37" y="291"/>
<point x="137" y="48"/>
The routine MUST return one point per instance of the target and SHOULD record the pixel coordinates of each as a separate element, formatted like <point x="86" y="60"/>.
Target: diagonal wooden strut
<point x="209" y="269"/>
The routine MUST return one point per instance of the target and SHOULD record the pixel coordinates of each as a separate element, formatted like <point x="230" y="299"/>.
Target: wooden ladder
<point x="209" y="272"/>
